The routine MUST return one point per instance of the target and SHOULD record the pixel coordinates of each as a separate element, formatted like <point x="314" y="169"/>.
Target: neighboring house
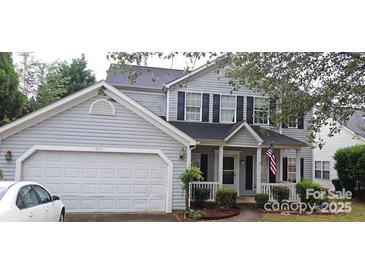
<point x="352" y="133"/>
<point x="120" y="147"/>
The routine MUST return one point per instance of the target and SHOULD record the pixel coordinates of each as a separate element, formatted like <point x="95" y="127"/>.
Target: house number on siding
<point x="99" y="148"/>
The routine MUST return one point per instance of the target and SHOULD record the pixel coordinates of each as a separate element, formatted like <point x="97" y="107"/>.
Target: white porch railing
<point x="212" y="186"/>
<point x="268" y="189"/>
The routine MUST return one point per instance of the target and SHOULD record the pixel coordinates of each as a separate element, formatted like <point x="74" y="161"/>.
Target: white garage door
<point x="101" y="182"/>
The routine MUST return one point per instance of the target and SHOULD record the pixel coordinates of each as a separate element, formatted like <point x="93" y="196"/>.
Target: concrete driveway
<point x="115" y="217"/>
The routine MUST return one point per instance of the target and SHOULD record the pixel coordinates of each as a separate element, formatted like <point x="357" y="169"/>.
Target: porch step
<point x="246" y="200"/>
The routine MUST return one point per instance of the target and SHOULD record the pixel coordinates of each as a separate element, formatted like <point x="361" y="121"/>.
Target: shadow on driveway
<point x="115" y="217"/>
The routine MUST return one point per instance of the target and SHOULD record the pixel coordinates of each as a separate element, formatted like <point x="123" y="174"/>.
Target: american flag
<point x="272" y="160"/>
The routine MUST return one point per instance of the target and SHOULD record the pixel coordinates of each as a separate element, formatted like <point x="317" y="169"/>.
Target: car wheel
<point x="62" y="217"/>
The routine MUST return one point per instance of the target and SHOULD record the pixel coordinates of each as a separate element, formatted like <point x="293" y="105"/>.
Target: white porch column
<point x="281" y="164"/>
<point x="298" y="171"/>
<point x="188" y="156"/>
<point x="220" y="166"/>
<point x="258" y="170"/>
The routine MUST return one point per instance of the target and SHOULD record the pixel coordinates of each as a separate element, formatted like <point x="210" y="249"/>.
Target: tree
<point x="32" y="73"/>
<point x="12" y="101"/>
<point x="191" y="174"/>
<point x="62" y="80"/>
<point x="331" y="83"/>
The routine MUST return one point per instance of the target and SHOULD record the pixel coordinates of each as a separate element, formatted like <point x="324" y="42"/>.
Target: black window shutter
<point x="216" y="107"/>
<point x="249" y="110"/>
<point x="301" y="122"/>
<point x="272" y="108"/>
<point x="181" y="106"/>
<point x="239" y="109"/>
<point x="249" y="175"/>
<point x="204" y="166"/>
<point x="302" y="168"/>
<point x="285" y="169"/>
<point x="205" y="111"/>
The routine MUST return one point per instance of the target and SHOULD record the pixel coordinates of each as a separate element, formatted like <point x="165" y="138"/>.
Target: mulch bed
<point x="210" y="212"/>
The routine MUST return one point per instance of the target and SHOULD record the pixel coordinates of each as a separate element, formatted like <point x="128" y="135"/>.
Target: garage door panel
<point x="107" y="182"/>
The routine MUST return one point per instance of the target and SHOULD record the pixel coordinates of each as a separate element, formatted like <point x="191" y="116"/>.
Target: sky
<point x="98" y="62"/>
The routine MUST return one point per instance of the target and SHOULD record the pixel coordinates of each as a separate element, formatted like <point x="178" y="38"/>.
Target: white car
<point x="29" y="202"/>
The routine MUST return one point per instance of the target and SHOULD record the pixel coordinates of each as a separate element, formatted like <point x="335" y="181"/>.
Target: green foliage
<point x="62" y="80"/>
<point x="201" y="195"/>
<point x="191" y="174"/>
<point x="280" y="193"/>
<point x="12" y="101"/>
<point x="1" y="175"/>
<point x="332" y="82"/>
<point x="193" y="214"/>
<point x="261" y="199"/>
<point x="303" y="186"/>
<point x="350" y="166"/>
<point x="226" y="198"/>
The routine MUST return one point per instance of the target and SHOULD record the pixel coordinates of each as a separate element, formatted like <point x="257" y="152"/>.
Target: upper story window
<point x="292" y="122"/>
<point x="193" y="107"/>
<point x="261" y="110"/>
<point x="228" y="109"/>
<point x="322" y="170"/>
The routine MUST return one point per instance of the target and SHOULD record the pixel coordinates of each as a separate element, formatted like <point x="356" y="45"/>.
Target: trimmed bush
<point x="261" y="199"/>
<point x="201" y="195"/>
<point x="280" y="193"/>
<point x="302" y="191"/>
<point x="350" y="166"/>
<point x="226" y="198"/>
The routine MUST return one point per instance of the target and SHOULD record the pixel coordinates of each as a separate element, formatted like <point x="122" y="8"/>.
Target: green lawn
<point x="357" y="215"/>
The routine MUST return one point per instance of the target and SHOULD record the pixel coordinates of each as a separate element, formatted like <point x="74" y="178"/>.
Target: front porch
<point x="244" y="169"/>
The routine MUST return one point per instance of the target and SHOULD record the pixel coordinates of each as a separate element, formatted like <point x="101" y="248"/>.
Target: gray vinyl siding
<point x="306" y="152"/>
<point x="209" y="150"/>
<point x="242" y="138"/>
<point x="76" y="127"/>
<point x="207" y="82"/>
<point x="154" y="102"/>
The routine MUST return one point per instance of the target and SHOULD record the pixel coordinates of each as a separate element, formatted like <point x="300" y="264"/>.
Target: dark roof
<point x="270" y="136"/>
<point x="216" y="131"/>
<point x="147" y="77"/>
<point x="356" y="123"/>
<point x="205" y="131"/>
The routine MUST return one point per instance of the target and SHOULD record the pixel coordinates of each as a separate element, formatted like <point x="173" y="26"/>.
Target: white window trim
<point x="34" y="149"/>
<point x="322" y="170"/>
<point x="268" y="111"/>
<point x="296" y="122"/>
<point x="101" y="100"/>
<point x="201" y="106"/>
<point x="220" y="108"/>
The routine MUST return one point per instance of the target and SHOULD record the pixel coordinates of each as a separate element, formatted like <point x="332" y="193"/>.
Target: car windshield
<point x="2" y="191"/>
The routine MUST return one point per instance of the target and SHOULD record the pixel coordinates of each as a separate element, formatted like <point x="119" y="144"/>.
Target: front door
<point x="230" y="178"/>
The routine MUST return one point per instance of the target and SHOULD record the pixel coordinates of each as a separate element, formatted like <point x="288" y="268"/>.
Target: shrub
<point x="201" y="195"/>
<point x="1" y="175"/>
<point x="280" y="193"/>
<point x="350" y="166"/>
<point x="193" y="214"/>
<point x="302" y="191"/>
<point x="226" y="198"/>
<point x="189" y="175"/>
<point x="261" y="199"/>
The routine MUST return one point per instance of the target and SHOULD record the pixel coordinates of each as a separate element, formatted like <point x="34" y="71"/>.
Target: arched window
<point x="102" y="107"/>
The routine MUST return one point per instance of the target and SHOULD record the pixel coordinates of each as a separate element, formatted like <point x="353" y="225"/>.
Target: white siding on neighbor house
<point x="155" y="102"/>
<point x="75" y="127"/>
<point x="341" y="140"/>
<point x="306" y="152"/>
<point x="211" y="82"/>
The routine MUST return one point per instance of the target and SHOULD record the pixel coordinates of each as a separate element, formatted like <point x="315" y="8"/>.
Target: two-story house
<point x="118" y="146"/>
